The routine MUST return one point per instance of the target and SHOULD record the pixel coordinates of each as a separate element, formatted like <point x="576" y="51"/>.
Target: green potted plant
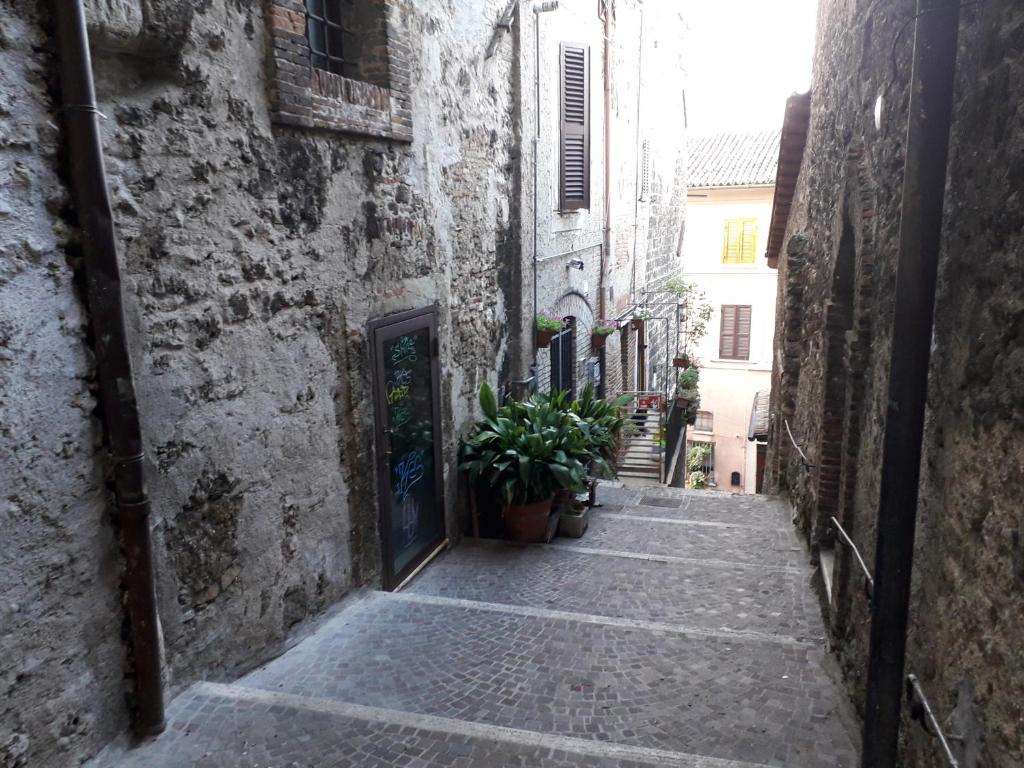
<point x="696" y="457"/>
<point x="601" y="331"/>
<point x="640" y="316"/>
<point x="547" y="325"/>
<point x="687" y="387"/>
<point x="524" y="452"/>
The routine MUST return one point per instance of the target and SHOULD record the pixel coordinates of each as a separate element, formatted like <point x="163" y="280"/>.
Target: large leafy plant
<point x="525" y="451"/>
<point x="602" y="422"/>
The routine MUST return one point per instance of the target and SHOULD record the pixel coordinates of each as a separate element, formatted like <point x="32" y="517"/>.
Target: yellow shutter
<point x="748" y="254"/>
<point x="733" y="242"/>
<point x="740" y="241"/>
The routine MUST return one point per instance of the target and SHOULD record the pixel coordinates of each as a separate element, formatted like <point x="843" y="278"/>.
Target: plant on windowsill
<point x="524" y="452"/>
<point x="547" y="325"/>
<point x="601" y="331"/>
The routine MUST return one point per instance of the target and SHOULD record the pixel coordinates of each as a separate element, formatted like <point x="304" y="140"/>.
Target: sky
<point x="745" y="58"/>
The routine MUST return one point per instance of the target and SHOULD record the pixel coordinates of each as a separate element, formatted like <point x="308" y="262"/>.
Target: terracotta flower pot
<point x="544" y="338"/>
<point x="681" y="362"/>
<point x="597" y="340"/>
<point x="683" y="402"/>
<point x="528" y="523"/>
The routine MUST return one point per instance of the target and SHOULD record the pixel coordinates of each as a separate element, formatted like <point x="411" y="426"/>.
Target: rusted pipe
<point x="113" y="365"/>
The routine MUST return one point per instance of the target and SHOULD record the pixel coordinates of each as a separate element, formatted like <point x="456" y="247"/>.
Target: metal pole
<point x="113" y="363"/>
<point x="924" y="181"/>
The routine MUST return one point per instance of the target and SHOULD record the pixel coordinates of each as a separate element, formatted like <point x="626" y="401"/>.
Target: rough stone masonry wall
<point x="851" y="175"/>
<point x="966" y="614"/>
<point x="967" y="641"/>
<point x="254" y="256"/>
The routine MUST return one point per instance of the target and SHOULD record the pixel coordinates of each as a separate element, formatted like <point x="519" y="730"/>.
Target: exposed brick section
<point x="374" y="103"/>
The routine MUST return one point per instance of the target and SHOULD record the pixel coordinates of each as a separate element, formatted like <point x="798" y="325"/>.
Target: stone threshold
<point x="447" y="726"/>
<point x="680" y="521"/>
<point x="718" y="633"/>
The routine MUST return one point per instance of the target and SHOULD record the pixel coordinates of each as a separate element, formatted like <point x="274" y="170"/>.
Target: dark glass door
<point x="563" y="359"/>
<point x="408" y="428"/>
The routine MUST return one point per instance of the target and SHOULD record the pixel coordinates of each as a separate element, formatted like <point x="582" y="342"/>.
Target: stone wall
<point x="837" y="279"/>
<point x="254" y="255"/>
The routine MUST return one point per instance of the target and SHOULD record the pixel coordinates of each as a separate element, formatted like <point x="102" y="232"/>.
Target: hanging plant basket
<point x="683" y="361"/>
<point x="544" y="338"/>
<point x="597" y="340"/>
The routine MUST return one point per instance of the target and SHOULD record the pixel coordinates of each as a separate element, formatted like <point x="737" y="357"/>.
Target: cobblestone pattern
<point x="688" y="594"/>
<point x="751" y="546"/>
<point x="765" y="515"/>
<point x="209" y="731"/>
<point x="754" y="701"/>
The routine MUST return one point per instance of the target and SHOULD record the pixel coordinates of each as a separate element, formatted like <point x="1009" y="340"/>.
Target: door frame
<point x="382" y="330"/>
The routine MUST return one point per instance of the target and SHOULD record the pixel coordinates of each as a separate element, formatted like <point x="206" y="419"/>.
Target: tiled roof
<point x="734" y="159"/>
<point x="791" y="155"/>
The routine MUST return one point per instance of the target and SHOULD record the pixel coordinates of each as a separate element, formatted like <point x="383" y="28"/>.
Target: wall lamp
<point x="575" y="264"/>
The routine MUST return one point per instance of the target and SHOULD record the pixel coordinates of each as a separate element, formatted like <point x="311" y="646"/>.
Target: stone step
<point x="738" y="545"/>
<point x="230" y="726"/>
<point x="692" y="596"/>
<point x="740" y="510"/>
<point x="732" y="699"/>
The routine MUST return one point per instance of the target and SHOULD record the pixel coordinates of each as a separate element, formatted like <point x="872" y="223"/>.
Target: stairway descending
<point x="640" y="456"/>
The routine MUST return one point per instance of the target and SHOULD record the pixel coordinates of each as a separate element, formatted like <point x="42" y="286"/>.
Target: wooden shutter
<point x="734" y="340"/>
<point x="747" y="254"/>
<point x="574" y="108"/>
<point x="740" y="241"/>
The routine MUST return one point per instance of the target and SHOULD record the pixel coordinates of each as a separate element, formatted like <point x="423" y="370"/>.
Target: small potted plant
<point x="686" y="387"/>
<point x="601" y="331"/>
<point x="640" y="316"/>
<point x="681" y="361"/>
<point x="547" y="325"/>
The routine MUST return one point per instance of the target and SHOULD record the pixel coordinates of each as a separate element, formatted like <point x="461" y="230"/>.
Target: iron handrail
<point x="921" y="710"/>
<point x="869" y="580"/>
<point x="803" y="456"/>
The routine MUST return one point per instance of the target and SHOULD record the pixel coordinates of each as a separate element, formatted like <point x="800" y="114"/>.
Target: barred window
<point x="329" y="34"/>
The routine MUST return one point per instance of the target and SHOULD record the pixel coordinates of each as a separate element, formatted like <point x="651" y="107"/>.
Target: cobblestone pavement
<point x="681" y="630"/>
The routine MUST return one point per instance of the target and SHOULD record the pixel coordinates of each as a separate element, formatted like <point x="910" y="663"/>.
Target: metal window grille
<point x="708" y="467"/>
<point x="327" y="31"/>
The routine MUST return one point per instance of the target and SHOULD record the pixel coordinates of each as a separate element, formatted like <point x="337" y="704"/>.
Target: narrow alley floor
<point x="681" y="630"/>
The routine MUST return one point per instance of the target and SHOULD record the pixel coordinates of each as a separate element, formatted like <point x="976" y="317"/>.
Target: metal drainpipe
<point x="636" y="190"/>
<point x="606" y="253"/>
<point x="546" y="7"/>
<point x="113" y="365"/>
<point x="924" y="182"/>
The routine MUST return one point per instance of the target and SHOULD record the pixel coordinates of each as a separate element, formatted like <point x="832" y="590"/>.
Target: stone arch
<point x="575" y="306"/>
<point x="861" y="203"/>
<point x="838" y="323"/>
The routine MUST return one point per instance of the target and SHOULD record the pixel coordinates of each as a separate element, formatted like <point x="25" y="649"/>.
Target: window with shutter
<point x="740" y="242"/>
<point x="574" y="102"/>
<point x="734" y="340"/>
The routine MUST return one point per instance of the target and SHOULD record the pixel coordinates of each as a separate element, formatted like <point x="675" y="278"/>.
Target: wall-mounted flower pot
<point x="528" y="523"/>
<point x="681" y="362"/>
<point x="636" y="324"/>
<point x="683" y="402"/>
<point x="544" y="338"/>
<point x="597" y="340"/>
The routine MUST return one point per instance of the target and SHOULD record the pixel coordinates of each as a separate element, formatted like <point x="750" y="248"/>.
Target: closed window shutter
<point x="727" y="339"/>
<point x="574" y="171"/>
<point x="740" y="242"/>
<point x="743" y="333"/>
<point x="734" y="342"/>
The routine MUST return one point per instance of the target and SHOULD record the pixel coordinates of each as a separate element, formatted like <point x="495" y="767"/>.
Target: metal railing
<point x="803" y="456"/>
<point x="869" y="581"/>
<point x="921" y="710"/>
